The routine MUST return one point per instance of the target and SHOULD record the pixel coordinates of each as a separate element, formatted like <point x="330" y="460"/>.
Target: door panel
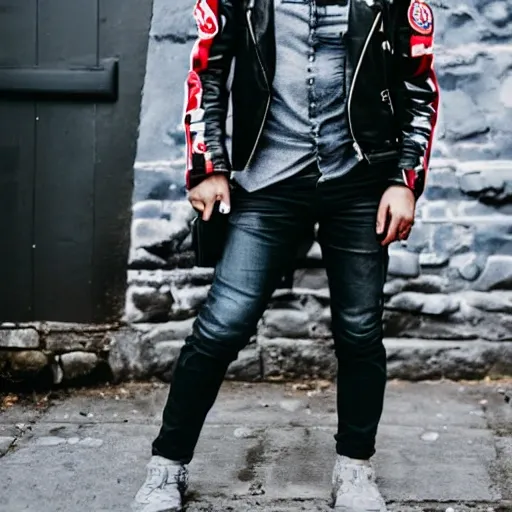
<point x="66" y="162"/>
<point x="64" y="198"/>
<point x="17" y="164"/>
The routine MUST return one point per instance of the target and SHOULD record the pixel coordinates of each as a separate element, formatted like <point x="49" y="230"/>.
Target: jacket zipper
<point x="357" y="147"/>
<point x="253" y="37"/>
<point x="386" y="48"/>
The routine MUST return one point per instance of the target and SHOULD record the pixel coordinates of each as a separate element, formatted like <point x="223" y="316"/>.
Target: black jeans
<point x="266" y="227"/>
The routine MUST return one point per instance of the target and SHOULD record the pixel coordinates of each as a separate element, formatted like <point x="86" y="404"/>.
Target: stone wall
<point x="449" y="292"/>
<point x="454" y="278"/>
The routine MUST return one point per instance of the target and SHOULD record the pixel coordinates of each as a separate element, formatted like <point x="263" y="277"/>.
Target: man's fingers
<point x="403" y="234"/>
<point x="392" y="233"/>
<point x="382" y="217"/>
<point x="224" y="207"/>
<point x="208" y="209"/>
<point x="197" y="205"/>
<point x="405" y="229"/>
<point x="225" y="200"/>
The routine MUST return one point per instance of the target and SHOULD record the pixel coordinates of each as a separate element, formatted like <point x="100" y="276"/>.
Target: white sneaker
<point x="354" y="488"/>
<point x="164" y="487"/>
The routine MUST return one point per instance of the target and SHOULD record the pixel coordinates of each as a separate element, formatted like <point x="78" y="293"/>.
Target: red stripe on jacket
<point x="206" y="14"/>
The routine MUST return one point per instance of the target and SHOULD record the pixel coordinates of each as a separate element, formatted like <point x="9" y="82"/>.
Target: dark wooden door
<point x="71" y="76"/>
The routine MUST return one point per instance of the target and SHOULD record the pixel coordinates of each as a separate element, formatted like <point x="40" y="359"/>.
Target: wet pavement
<point x="266" y="447"/>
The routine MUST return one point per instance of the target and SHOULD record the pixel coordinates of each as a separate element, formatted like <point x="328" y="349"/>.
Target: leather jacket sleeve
<point x="207" y="94"/>
<point x="417" y="90"/>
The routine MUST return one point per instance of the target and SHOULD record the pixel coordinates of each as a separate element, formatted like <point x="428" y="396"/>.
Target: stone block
<point x="450" y="239"/>
<point x="497" y="12"/>
<point x="433" y="259"/>
<point x="471" y="82"/>
<point x="291" y="323"/>
<point x="467" y="119"/>
<point x="177" y="278"/>
<point x="490" y="302"/>
<point x="148" y="304"/>
<point x="398" y="324"/>
<point x="187" y="300"/>
<point x="248" y="366"/>
<point x="441" y="210"/>
<point x="427" y="359"/>
<point x="163" y="236"/>
<point x="497" y="274"/>
<point x="19" y="338"/>
<point x="151" y="233"/>
<point x="124" y="357"/>
<point x="289" y="359"/>
<point x="428" y="283"/>
<point x="313" y="301"/>
<point x="132" y="357"/>
<point x="149" y="209"/>
<point x="403" y="263"/>
<point x="158" y="359"/>
<point x="467" y="323"/>
<point x="320" y="325"/>
<point x="477" y="209"/>
<point x="442" y="184"/>
<point x="27" y="361"/>
<point x="394" y="286"/>
<point x="160" y="181"/>
<point x="143" y="259"/>
<point x="406" y="301"/>
<point x="493" y="237"/>
<point x="78" y="364"/>
<point x="313" y="278"/>
<point x="490" y="181"/>
<point x="429" y="304"/>
<point x="61" y="341"/>
<point x="467" y="265"/>
<point x="169" y="331"/>
<point x="420" y="238"/>
<point x="285" y="323"/>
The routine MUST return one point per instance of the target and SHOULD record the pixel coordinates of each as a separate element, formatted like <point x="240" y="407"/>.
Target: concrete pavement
<point x="265" y="448"/>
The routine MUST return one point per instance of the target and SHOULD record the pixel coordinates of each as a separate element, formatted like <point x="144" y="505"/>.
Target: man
<point x="334" y="107"/>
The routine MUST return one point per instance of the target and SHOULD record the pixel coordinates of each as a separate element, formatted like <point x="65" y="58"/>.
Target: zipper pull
<point x="359" y="151"/>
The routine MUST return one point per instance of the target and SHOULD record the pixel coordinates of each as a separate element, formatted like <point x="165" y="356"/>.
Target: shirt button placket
<point x="310" y="69"/>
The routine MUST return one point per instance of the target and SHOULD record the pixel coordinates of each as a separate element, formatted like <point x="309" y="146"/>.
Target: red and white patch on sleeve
<point x="206" y="18"/>
<point x="206" y="14"/>
<point x="421" y="45"/>
<point x="421" y="17"/>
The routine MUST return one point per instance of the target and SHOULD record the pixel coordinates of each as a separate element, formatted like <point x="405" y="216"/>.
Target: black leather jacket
<point x="392" y="91"/>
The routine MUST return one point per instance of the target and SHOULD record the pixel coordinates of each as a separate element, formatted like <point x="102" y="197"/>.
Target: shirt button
<point x="313" y="106"/>
<point x="311" y="81"/>
<point x="311" y="58"/>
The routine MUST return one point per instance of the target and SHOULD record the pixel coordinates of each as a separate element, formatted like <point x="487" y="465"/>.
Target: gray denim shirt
<point x="307" y="119"/>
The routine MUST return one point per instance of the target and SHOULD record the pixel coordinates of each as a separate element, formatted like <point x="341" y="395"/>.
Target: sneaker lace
<point x="156" y="477"/>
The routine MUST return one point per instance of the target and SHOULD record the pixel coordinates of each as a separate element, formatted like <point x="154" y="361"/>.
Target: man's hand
<point x="396" y="212"/>
<point x="214" y="188"/>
